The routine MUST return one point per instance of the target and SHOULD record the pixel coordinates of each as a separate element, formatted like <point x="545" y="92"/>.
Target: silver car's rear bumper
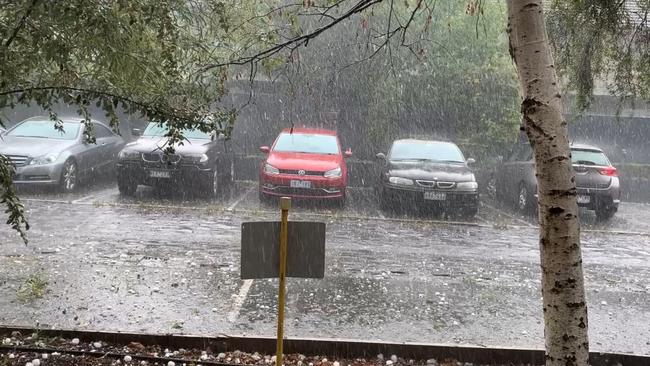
<point x="607" y="196"/>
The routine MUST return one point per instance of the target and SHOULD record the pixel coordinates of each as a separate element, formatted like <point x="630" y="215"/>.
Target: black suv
<point x="202" y="163"/>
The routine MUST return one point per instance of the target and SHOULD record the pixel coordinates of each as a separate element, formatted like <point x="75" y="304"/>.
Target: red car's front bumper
<point x="279" y="185"/>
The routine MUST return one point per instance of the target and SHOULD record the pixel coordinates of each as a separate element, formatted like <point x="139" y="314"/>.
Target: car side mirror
<point x="381" y="156"/>
<point x="136" y="132"/>
<point x="348" y="153"/>
<point x="265" y="149"/>
<point x="471" y="161"/>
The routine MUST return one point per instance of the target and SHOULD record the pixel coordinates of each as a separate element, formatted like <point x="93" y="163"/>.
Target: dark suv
<point x="202" y="163"/>
<point x="596" y="180"/>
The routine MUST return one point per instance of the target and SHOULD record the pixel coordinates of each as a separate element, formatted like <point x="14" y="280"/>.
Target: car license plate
<point x="160" y="174"/>
<point x="300" y="184"/>
<point x="435" y="196"/>
<point x="584" y="199"/>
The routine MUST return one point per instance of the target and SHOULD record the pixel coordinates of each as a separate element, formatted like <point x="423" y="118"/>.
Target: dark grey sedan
<point x="596" y="179"/>
<point x="424" y="173"/>
<point x="43" y="155"/>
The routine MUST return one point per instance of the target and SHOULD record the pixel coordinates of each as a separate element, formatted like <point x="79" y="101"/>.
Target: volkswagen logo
<point x="301" y="172"/>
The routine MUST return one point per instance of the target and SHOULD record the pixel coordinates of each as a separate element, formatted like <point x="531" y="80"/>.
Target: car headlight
<point x="270" y="169"/>
<point x="400" y="181"/>
<point x="128" y="154"/>
<point x="334" y="173"/>
<point x="45" y="159"/>
<point x="467" y="186"/>
<point x="197" y="158"/>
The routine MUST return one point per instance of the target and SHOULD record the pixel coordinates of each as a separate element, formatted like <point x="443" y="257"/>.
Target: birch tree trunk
<point x="565" y="309"/>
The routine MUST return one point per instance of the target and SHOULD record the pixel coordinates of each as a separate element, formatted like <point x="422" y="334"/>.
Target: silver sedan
<point x="43" y="155"/>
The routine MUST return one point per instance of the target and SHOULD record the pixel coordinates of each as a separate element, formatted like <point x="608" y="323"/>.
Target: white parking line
<point x="238" y="300"/>
<point x="83" y="199"/>
<point x="508" y="215"/>
<point x="45" y="200"/>
<point x="109" y="192"/>
<point x="238" y="200"/>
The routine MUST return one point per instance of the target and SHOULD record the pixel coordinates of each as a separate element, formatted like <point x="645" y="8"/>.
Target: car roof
<point x="422" y="141"/>
<point x="69" y="119"/>
<point x="581" y="146"/>
<point x="311" y="131"/>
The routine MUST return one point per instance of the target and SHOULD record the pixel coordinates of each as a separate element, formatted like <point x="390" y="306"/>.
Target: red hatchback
<point x="305" y="163"/>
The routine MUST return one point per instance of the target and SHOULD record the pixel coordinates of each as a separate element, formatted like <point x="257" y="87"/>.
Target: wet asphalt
<point x="165" y="262"/>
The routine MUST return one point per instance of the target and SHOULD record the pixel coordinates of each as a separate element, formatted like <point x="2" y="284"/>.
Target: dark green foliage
<point x="602" y="40"/>
<point x="15" y="210"/>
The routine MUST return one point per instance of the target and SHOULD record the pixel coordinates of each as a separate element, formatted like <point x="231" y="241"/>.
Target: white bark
<point x="565" y="309"/>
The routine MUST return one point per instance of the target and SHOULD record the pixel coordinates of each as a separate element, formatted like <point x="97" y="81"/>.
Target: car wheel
<point x="69" y="176"/>
<point x="605" y="212"/>
<point x="126" y="186"/>
<point x="525" y="199"/>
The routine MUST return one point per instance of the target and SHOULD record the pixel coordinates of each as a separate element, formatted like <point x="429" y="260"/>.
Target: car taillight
<point x="610" y="171"/>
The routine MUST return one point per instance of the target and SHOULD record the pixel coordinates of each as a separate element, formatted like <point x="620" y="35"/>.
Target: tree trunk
<point x="565" y="309"/>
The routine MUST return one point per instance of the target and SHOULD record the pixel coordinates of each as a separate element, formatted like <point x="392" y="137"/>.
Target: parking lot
<point x="242" y="197"/>
<point x="162" y="262"/>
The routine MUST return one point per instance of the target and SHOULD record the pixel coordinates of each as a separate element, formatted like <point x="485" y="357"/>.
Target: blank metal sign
<point x="260" y="250"/>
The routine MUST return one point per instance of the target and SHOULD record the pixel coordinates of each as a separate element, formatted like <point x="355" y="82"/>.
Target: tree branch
<point x="296" y="41"/>
<point x="264" y="15"/>
<point x="408" y="23"/>
<point x="21" y="23"/>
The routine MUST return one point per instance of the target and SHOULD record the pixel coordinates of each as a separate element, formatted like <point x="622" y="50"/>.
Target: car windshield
<point x="45" y="129"/>
<point x="156" y="129"/>
<point x="426" y="150"/>
<point x="589" y="157"/>
<point x="307" y="143"/>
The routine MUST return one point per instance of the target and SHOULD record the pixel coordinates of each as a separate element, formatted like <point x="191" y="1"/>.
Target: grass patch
<point x="35" y="287"/>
